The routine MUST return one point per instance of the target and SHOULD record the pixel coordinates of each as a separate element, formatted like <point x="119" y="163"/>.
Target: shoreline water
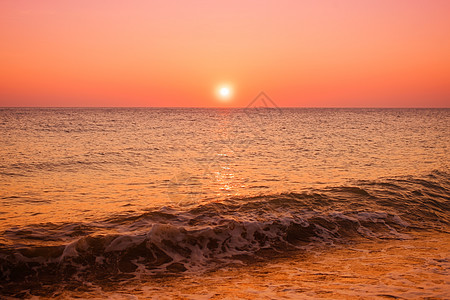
<point x="290" y="229"/>
<point x="415" y="268"/>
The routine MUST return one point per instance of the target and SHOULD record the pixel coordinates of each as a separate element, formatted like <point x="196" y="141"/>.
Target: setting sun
<point x="225" y="93"/>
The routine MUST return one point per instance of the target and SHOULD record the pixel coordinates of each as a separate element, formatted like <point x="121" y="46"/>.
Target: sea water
<point x="216" y="203"/>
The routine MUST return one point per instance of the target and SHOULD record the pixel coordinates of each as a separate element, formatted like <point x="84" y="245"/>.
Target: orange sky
<point x="309" y="53"/>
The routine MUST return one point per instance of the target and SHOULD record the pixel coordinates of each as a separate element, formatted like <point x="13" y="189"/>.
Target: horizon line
<point x="238" y="107"/>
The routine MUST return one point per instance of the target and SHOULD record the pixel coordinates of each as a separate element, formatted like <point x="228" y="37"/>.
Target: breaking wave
<point x="174" y="239"/>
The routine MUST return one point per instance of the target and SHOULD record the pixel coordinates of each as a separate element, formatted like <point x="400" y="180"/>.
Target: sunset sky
<point x="310" y="53"/>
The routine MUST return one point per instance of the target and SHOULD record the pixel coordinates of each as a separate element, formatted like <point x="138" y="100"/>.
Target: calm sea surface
<point x="172" y="201"/>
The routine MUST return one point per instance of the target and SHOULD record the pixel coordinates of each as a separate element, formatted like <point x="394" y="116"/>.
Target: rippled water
<point x="128" y="194"/>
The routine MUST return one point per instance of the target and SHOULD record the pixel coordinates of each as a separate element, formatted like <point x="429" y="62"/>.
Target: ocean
<point x="204" y="203"/>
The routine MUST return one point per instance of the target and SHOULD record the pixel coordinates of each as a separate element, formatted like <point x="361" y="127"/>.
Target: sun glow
<point x="224" y="93"/>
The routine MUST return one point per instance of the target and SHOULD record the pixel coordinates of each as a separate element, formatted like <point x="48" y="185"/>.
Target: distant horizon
<point x="231" y="107"/>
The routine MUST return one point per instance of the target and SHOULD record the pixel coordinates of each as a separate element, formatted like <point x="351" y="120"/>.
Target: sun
<point x="224" y="92"/>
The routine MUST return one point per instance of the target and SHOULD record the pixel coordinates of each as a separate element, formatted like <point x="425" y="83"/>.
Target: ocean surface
<point x="253" y="203"/>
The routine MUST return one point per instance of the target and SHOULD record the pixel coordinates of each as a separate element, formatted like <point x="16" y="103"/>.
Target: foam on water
<point x="172" y="240"/>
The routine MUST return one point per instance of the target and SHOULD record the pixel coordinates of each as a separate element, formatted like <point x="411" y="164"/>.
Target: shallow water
<point x="99" y="199"/>
<point x="395" y="269"/>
